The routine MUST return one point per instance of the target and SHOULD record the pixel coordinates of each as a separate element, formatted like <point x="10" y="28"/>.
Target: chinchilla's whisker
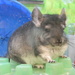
<point x="71" y="44"/>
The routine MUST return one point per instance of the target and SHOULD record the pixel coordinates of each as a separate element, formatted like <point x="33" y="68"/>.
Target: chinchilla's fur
<point x="40" y="40"/>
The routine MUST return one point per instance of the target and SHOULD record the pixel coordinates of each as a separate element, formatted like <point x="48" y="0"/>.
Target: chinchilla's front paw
<point x="64" y="56"/>
<point x="52" y="61"/>
<point x="49" y="60"/>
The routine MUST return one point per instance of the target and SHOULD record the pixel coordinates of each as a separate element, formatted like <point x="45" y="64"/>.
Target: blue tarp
<point x="12" y="15"/>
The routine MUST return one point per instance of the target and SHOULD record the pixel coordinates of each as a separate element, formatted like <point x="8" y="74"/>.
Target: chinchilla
<point x="40" y="40"/>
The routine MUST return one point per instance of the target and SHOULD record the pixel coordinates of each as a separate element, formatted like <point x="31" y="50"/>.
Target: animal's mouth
<point x="58" y="44"/>
<point x="55" y="47"/>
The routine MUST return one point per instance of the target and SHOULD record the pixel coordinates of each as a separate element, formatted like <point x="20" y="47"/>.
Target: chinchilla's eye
<point x="47" y="28"/>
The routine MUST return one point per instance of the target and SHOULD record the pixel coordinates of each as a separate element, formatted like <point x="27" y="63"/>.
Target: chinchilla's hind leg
<point x="18" y="59"/>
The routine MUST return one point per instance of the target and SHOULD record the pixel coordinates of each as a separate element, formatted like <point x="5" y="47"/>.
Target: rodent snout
<point x="58" y="42"/>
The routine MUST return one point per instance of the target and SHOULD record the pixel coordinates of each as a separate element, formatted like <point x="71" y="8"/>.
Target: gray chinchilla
<point x="40" y="40"/>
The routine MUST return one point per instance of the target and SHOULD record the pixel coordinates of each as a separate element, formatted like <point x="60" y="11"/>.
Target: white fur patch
<point x="33" y="60"/>
<point x="57" y="51"/>
<point x="54" y="52"/>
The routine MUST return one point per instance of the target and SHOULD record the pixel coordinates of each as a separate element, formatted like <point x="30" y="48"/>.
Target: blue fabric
<point x="12" y="15"/>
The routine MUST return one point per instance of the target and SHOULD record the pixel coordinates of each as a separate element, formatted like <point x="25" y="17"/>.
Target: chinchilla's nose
<point x="58" y="41"/>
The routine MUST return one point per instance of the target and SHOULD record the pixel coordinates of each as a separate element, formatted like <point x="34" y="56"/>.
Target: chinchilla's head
<point x="51" y="26"/>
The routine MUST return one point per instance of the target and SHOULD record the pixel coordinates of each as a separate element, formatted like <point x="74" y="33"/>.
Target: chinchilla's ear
<point x="37" y="17"/>
<point x="63" y="15"/>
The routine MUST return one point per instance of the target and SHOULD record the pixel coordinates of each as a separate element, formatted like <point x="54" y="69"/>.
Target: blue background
<point x="12" y="15"/>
